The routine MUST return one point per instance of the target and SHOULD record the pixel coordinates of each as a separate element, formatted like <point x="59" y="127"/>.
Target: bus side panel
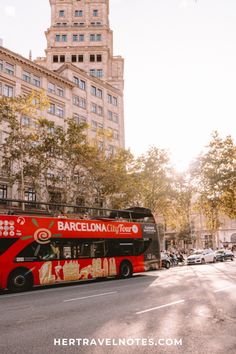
<point x="56" y="271"/>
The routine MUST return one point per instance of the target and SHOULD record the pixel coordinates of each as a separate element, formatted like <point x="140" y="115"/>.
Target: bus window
<point x="67" y="252"/>
<point x="47" y="252"/>
<point x="97" y="249"/>
<point x="85" y="250"/>
<point x="120" y="248"/>
<point x="6" y="243"/>
<point x="141" y="246"/>
<point x="127" y="248"/>
<point x="29" y="253"/>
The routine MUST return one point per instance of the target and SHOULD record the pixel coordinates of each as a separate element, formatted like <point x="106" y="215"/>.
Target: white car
<point x="201" y="257"/>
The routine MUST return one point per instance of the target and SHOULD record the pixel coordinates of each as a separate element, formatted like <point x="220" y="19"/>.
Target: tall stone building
<point x="80" y="75"/>
<point x="80" y="34"/>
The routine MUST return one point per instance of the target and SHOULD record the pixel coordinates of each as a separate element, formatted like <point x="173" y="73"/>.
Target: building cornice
<point x="34" y="66"/>
<point x="88" y="77"/>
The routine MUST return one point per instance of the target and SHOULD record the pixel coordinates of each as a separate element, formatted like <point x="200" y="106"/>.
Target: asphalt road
<point x="188" y="309"/>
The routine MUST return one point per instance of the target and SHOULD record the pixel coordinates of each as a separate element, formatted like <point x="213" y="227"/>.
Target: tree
<point x="179" y="213"/>
<point x="16" y="149"/>
<point x="108" y="177"/>
<point x="214" y="174"/>
<point x="154" y="176"/>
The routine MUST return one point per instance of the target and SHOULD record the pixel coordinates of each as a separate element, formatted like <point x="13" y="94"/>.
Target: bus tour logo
<point x="41" y="235"/>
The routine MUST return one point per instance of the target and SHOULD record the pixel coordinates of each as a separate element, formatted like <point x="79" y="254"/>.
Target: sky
<point x="180" y="67"/>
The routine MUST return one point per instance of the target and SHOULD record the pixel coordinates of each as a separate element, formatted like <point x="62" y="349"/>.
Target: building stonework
<point x="80" y="75"/>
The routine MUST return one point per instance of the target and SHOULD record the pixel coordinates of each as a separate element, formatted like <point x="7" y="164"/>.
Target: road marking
<point x="159" y="307"/>
<point x="222" y="289"/>
<point x="87" y="297"/>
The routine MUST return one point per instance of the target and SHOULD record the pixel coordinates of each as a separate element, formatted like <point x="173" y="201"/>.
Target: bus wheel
<point x="126" y="270"/>
<point x="20" y="280"/>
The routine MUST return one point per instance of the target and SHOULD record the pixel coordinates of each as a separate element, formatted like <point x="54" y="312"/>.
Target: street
<point x="186" y="309"/>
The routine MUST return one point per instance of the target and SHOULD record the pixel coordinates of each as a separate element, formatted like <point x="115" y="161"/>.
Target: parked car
<point x="165" y="261"/>
<point x="224" y="255"/>
<point x="201" y="257"/>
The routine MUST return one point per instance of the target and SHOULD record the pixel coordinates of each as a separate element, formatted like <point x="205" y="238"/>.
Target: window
<point x="80" y="83"/>
<point x="99" y="110"/>
<point x="81" y="37"/>
<point x="3" y="191"/>
<point x="99" y="93"/>
<point x="79" y="101"/>
<point x="82" y="103"/>
<point x="55" y="58"/>
<point x="96" y="92"/>
<point x="114" y="101"/>
<point x="95" y="37"/>
<point x="95" y="13"/>
<point x="96" y="73"/>
<point x="109" y="98"/>
<point x="93" y="90"/>
<point x="79" y="119"/>
<point x="36" y="81"/>
<point x="60" y="112"/>
<point x="76" y="80"/>
<point x="96" y="23"/>
<point x="99" y="73"/>
<point x="64" y="38"/>
<point x="30" y="195"/>
<point x="94" y="58"/>
<point x="62" y="58"/>
<point x="113" y="117"/>
<point x="78" y="13"/>
<point x="61" y="13"/>
<point x="25" y="121"/>
<point x="51" y="87"/>
<point x="30" y="78"/>
<point x="58" y="37"/>
<point x="110" y="115"/>
<point x="60" y="91"/>
<point x="80" y="58"/>
<point x="92" y="37"/>
<point x="115" y="134"/>
<point x="51" y="108"/>
<point x="75" y="37"/>
<point x="26" y="76"/>
<point x="8" y="91"/>
<point x="9" y="68"/>
<point x="96" y="109"/>
<point x="73" y="58"/>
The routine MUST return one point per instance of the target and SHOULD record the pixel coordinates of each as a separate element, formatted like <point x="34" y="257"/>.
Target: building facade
<point x="79" y="74"/>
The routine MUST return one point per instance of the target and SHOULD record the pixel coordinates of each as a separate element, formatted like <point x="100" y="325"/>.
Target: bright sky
<point x="180" y="67"/>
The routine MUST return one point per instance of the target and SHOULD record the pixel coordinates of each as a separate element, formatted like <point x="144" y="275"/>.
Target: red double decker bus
<point x="43" y="250"/>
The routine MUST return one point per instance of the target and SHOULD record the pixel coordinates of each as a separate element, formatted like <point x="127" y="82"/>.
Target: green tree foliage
<point x="214" y="175"/>
<point x="179" y="213"/>
<point x="154" y="180"/>
<point x="16" y="149"/>
<point x="108" y="177"/>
